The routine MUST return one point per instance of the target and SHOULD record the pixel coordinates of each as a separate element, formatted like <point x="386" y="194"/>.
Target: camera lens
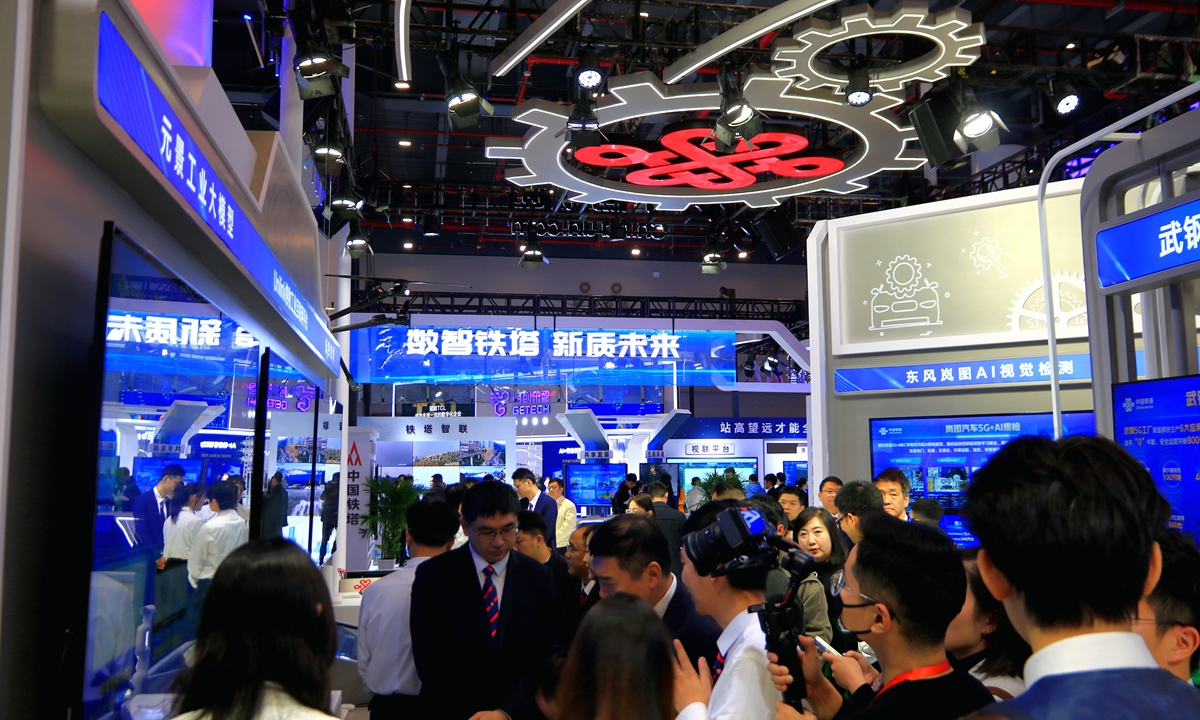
<point x="707" y="549"/>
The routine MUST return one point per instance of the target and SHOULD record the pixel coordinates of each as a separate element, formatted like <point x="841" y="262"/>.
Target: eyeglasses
<point x="837" y="583"/>
<point x="1156" y="621"/>
<point x="488" y="534"/>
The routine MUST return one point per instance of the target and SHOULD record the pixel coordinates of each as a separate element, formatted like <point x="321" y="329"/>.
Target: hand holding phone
<point x="825" y="647"/>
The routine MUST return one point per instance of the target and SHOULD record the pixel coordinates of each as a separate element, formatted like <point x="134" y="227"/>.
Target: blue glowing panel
<point x="593" y="485"/>
<point x="971" y="373"/>
<point x="746" y="428"/>
<point x="140" y="108"/>
<point x="1151" y="244"/>
<point x="147" y="471"/>
<point x="520" y="356"/>
<point x="1158" y="422"/>
<point x="940" y="454"/>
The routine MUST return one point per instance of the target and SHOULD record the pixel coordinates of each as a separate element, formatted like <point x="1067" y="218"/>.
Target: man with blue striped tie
<point x="482" y="606"/>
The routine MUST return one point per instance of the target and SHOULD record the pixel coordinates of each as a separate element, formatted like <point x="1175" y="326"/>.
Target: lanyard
<point x="918" y="674"/>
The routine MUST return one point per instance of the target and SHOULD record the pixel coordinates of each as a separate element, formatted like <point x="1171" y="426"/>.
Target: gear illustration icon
<point x="884" y="144"/>
<point x="904" y="276"/>
<point x="1028" y="310"/>
<point x="986" y="254"/>
<point x="956" y="43"/>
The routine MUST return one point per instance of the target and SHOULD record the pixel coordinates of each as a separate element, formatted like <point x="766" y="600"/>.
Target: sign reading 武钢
<point x="1159" y="242"/>
<point x="452" y="355"/>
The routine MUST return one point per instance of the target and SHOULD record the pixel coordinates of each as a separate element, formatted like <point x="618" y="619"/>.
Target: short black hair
<point x="770" y="508"/>
<point x="753" y="477"/>
<point x="558" y="481"/>
<point x="489" y="499"/>
<point x="859" y="498"/>
<point x="893" y="475"/>
<point x="173" y="470"/>
<point x="634" y="541"/>
<point x="793" y="490"/>
<point x="530" y="522"/>
<point x="631" y="478"/>
<point x="831" y="479"/>
<point x="657" y="490"/>
<point x="695" y="481"/>
<point x="436" y="476"/>
<point x="1071" y="524"/>
<point x="432" y="524"/>
<point x="753" y="578"/>
<point x="224" y="493"/>
<point x="551" y="674"/>
<point x="914" y="569"/>
<point x="928" y="510"/>
<point x="1176" y="597"/>
<point x="524" y="474"/>
<point x="454" y="495"/>
<point x="665" y="478"/>
<point x="727" y="486"/>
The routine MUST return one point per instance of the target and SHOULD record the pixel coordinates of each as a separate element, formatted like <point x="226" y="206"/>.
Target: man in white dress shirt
<point x="568" y="514"/>
<point x="743" y="689"/>
<point x="218" y="537"/>
<point x="385" y="660"/>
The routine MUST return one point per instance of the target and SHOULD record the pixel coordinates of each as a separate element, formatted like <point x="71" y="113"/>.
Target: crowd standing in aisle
<point x="568" y="514"/>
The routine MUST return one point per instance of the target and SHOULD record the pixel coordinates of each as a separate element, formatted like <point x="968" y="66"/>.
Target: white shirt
<point x="242" y="511"/>
<point x="180" y="533"/>
<point x="660" y="608"/>
<point x="568" y="519"/>
<point x="497" y="577"/>
<point x="694" y="498"/>
<point x="744" y="691"/>
<point x="215" y="540"/>
<point x="206" y="513"/>
<point x="1089" y="653"/>
<point x="1010" y="684"/>
<point x="276" y="705"/>
<point x="587" y="587"/>
<point x="460" y="539"/>
<point x="533" y="500"/>
<point x="164" y="507"/>
<point x="385" y="658"/>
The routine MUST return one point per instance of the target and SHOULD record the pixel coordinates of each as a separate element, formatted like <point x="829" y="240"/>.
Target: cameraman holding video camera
<point x="902" y="585"/>
<point x="743" y="689"/>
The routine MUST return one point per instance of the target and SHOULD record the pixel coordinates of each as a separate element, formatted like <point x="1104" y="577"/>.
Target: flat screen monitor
<point x="148" y="471"/>
<point x="594" y="485"/>
<point x="940" y="454"/>
<point x="693" y="468"/>
<point x="650" y="473"/>
<point x="795" y="472"/>
<point x="1158" y="423"/>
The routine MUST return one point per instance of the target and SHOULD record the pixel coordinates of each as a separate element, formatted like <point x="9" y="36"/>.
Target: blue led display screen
<point x="1164" y="240"/>
<point x="128" y="93"/>
<point x="940" y="454"/>
<point x="521" y="356"/>
<point x="593" y="485"/>
<point x="1158" y="422"/>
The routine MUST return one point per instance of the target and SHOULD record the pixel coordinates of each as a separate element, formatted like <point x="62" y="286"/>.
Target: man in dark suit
<point x="483" y="606"/>
<point x="151" y="509"/>
<point x="671" y="522"/>
<point x="531" y="541"/>
<point x="532" y="498"/>
<point x="620" y="499"/>
<point x="630" y="554"/>
<point x="578" y="563"/>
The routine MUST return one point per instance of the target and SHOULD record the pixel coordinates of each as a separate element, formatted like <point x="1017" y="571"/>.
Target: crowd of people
<point x="1080" y="602"/>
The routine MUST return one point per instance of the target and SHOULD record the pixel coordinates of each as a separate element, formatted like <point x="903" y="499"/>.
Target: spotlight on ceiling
<point x="462" y="98"/>
<point x="329" y="153"/>
<point x="312" y="60"/>
<point x="1065" y="99"/>
<point x="635" y="251"/>
<point x="430" y="227"/>
<point x="405" y="143"/>
<point x="978" y="126"/>
<point x="357" y="243"/>
<point x="346" y="201"/>
<point x="531" y="253"/>
<point x="402" y="85"/>
<point x="713" y="260"/>
<point x="583" y="128"/>
<point x="408" y="245"/>
<point x="858" y="87"/>
<point x="739" y="120"/>
<point x="589" y="75"/>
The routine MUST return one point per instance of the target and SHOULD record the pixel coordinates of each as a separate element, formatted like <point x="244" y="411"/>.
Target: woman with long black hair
<point x="266" y="639"/>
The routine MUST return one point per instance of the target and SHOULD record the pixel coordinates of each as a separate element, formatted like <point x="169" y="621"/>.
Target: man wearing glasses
<point x="1168" y="619"/>
<point x="902" y="585"/>
<point x="482" y="617"/>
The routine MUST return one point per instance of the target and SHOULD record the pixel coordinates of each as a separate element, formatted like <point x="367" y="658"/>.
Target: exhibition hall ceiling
<point x="682" y="130"/>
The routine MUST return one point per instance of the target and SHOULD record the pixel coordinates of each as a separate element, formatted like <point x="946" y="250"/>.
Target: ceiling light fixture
<point x="531" y="253"/>
<point x="858" y="87"/>
<point x="636" y="251"/>
<point x="589" y="75"/>
<point x="978" y="126"/>
<point x="462" y="98"/>
<point x="739" y="120"/>
<point x="713" y="260"/>
<point x="1071" y="45"/>
<point x="312" y="61"/>
<point x="742" y="255"/>
<point x="405" y="143"/>
<point x="357" y="243"/>
<point x="408" y="245"/>
<point x="1065" y="99"/>
<point x="430" y="227"/>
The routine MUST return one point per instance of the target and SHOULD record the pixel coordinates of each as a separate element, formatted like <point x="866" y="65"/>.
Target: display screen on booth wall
<point x="594" y="484"/>
<point x="1158" y="422"/>
<point x="940" y="454"/>
<point x="523" y="356"/>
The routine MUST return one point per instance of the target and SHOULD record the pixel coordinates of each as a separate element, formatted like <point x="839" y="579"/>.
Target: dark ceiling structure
<point x="423" y="183"/>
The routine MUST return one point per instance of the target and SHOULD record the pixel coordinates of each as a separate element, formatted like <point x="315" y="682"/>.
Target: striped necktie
<point x="718" y="665"/>
<point x="491" y="600"/>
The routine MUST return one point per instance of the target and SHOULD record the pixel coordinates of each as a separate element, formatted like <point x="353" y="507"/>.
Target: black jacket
<point x="463" y="669"/>
<point x="567" y="589"/>
<point x="620" y="500"/>
<point x="671" y="522"/>
<point x="697" y="632"/>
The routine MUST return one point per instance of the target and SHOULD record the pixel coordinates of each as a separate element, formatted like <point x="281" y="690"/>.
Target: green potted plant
<point x="385" y="519"/>
<point x="709" y="481"/>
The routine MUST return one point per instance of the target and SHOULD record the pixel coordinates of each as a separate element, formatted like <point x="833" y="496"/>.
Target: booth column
<point x="358" y="467"/>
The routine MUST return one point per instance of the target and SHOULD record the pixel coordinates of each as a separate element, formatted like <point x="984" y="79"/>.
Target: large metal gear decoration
<point x="883" y="146"/>
<point x="956" y="43"/>
<point x="1028" y="309"/>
